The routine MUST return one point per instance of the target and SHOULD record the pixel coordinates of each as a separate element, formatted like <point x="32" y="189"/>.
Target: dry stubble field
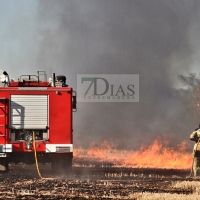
<point x="98" y="182"/>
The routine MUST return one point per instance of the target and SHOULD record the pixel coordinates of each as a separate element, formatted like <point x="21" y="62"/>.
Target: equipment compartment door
<point x="29" y="111"/>
<point x="3" y="119"/>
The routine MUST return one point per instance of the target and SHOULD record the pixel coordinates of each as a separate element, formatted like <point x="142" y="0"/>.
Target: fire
<point x="157" y="155"/>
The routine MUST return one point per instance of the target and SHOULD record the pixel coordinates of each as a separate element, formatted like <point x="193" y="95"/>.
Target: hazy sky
<point x="156" y="39"/>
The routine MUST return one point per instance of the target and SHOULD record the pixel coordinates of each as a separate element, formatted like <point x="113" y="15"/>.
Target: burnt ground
<point x="86" y="182"/>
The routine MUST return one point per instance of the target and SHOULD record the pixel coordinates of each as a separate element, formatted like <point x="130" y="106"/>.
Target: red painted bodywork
<point x="60" y="115"/>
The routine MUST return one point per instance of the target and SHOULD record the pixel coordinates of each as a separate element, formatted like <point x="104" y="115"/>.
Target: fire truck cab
<point x="36" y="116"/>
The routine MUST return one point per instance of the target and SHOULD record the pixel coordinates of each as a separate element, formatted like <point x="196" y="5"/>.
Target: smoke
<point x="151" y="38"/>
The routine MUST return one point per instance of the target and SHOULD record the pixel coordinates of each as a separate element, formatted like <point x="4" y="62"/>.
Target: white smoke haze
<point x="156" y="39"/>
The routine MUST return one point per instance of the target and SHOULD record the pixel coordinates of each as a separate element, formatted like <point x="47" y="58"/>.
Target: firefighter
<point x="195" y="136"/>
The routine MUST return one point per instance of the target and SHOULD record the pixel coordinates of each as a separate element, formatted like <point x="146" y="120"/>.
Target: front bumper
<point x="40" y="147"/>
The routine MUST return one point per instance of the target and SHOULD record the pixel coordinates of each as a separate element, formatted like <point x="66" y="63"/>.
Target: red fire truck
<point x="36" y="115"/>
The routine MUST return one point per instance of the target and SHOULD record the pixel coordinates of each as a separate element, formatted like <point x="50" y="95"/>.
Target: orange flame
<point x="156" y="155"/>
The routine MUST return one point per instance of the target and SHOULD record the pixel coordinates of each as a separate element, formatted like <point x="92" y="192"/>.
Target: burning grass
<point x="157" y="155"/>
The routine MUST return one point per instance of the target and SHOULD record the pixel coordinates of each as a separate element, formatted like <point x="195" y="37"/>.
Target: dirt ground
<point x="96" y="182"/>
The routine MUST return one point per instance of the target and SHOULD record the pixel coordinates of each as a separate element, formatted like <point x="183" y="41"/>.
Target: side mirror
<point x="74" y="101"/>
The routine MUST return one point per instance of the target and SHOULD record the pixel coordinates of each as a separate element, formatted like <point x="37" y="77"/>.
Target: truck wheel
<point x="61" y="166"/>
<point x="3" y="165"/>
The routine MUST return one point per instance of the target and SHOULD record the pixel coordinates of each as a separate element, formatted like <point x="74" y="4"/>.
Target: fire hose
<point x="35" y="154"/>
<point x="36" y="160"/>
<point x="192" y="171"/>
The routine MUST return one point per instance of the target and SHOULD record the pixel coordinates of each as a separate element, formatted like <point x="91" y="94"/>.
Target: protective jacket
<point x="195" y="136"/>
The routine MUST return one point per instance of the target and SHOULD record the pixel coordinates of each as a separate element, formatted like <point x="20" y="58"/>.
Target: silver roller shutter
<point x="29" y="111"/>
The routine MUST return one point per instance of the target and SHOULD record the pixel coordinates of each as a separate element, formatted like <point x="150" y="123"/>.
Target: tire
<point x="61" y="166"/>
<point x="3" y="165"/>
